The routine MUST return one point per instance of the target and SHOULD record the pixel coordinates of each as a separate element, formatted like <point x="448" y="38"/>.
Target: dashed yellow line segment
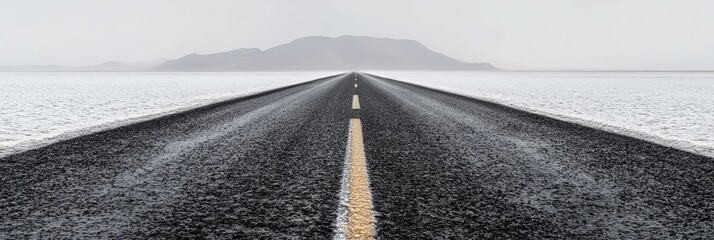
<point x="361" y="217"/>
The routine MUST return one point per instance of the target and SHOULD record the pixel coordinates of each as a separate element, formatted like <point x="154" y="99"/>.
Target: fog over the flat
<point x="511" y="34"/>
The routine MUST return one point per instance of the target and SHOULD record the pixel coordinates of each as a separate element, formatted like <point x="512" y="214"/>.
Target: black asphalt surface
<point x="441" y="166"/>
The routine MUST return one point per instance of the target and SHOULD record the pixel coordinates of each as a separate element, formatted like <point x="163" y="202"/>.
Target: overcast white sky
<point x="511" y="34"/>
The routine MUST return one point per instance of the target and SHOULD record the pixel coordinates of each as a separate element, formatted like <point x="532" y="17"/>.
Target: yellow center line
<point x="361" y="217"/>
<point x="355" y="102"/>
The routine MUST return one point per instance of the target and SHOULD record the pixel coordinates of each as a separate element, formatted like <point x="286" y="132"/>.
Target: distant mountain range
<point x="323" y="53"/>
<point x="305" y="54"/>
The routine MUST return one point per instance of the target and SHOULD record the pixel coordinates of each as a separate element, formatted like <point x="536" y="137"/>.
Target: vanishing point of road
<point x="356" y="156"/>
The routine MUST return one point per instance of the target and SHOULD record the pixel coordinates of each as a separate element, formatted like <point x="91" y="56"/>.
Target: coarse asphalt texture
<point x="440" y="165"/>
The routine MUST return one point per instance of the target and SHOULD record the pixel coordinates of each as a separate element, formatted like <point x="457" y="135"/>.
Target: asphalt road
<point x="439" y="166"/>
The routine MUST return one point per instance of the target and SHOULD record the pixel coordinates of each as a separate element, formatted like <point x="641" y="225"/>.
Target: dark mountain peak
<point x="326" y="53"/>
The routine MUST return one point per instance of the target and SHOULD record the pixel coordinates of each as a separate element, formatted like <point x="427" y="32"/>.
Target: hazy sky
<point x="515" y="34"/>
